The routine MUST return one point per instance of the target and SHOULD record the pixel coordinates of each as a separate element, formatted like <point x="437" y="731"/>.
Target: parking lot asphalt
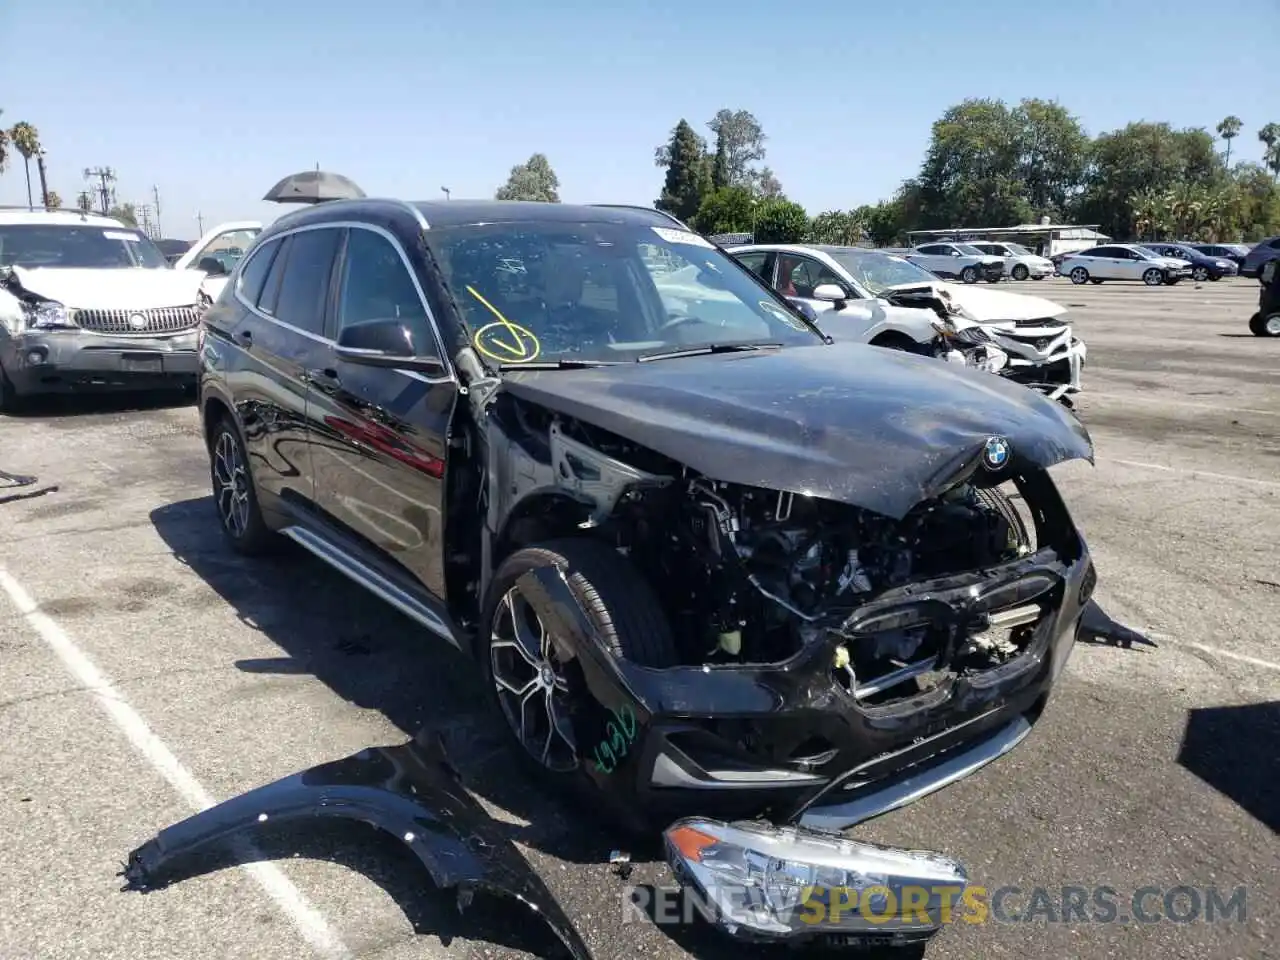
<point x="146" y="671"/>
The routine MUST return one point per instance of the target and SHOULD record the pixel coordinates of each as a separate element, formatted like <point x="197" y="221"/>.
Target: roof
<point x="10" y="215"/>
<point x="457" y="213"/>
<point x="827" y="248"/>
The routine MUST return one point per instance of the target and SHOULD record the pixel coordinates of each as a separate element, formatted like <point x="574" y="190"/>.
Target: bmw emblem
<point x="996" y="453"/>
<point x="137" y="321"/>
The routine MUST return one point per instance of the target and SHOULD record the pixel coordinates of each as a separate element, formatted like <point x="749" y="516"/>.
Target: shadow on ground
<point x="1234" y="750"/>
<point x="57" y="406"/>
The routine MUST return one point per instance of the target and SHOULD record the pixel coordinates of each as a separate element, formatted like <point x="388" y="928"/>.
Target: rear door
<point x="284" y="289"/>
<point x="380" y="435"/>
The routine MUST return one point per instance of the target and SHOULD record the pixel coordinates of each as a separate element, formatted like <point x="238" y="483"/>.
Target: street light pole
<point x="446" y="192"/>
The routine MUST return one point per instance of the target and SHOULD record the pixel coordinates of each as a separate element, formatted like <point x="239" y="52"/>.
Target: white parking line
<point x="1173" y="402"/>
<point x="1193" y="473"/>
<point x="1218" y="652"/>
<point x="291" y="901"/>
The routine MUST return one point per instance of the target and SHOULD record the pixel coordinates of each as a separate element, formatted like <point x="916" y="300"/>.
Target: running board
<point x="371" y="580"/>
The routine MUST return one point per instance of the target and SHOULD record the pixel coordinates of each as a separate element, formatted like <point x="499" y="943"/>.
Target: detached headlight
<point x="768" y="883"/>
<point x="46" y="315"/>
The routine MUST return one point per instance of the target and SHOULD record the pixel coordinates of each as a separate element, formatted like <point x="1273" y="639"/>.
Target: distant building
<point x="1045" y="239"/>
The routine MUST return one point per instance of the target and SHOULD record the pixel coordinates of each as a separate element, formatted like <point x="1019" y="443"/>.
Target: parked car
<point x="217" y="252"/>
<point x="89" y="303"/>
<point x="1020" y="263"/>
<point x="1203" y="266"/>
<point x="863" y="294"/>
<point x="1266" y="322"/>
<point x="1263" y="252"/>
<point x="1235" y="252"/>
<point x="1122" y="261"/>
<point x="960" y="261"/>
<point x="688" y="554"/>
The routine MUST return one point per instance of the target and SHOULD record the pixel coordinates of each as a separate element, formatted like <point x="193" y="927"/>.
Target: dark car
<point x="1203" y="266"/>
<point x="1262" y="253"/>
<point x="708" y="561"/>
<point x="1235" y="252"/>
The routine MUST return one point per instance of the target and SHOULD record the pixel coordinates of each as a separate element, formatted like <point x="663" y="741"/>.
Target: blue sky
<point x="213" y="102"/>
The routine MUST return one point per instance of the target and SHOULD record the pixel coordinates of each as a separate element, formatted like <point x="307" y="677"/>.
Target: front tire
<point x="969" y="274"/>
<point x="1020" y="271"/>
<point x="535" y="693"/>
<point x="1265" y="327"/>
<point x="235" y="498"/>
<point x="1153" y="277"/>
<point x="1079" y="275"/>
<point x="1199" y="274"/>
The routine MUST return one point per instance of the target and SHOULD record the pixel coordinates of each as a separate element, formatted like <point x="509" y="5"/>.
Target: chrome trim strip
<point x="371" y="580"/>
<point x="451" y="376"/>
<point x="913" y="786"/>
<point x="667" y="773"/>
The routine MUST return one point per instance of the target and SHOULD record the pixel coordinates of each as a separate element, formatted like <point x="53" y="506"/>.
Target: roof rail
<point x="635" y="206"/>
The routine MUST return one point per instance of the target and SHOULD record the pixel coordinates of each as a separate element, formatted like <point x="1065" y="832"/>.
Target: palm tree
<point x="1228" y="130"/>
<point x="54" y="202"/>
<point x="26" y="140"/>
<point x="4" y="147"/>
<point x="1270" y="136"/>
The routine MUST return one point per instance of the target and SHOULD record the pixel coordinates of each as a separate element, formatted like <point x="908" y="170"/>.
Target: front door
<point x="380" y="436"/>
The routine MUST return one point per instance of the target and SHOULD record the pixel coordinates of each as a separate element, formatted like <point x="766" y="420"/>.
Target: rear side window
<point x="254" y="273"/>
<point x="304" y="289"/>
<point x="753" y="261"/>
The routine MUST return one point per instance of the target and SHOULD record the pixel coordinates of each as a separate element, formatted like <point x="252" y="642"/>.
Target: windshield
<point x="1018" y="250"/>
<point x="969" y="250"/>
<point x="224" y="251"/>
<point x="81" y="246"/>
<point x="602" y="292"/>
<point x="877" y="272"/>
<point x="1149" y="254"/>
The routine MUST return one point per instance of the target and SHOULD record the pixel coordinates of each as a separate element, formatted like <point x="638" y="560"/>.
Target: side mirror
<point x="212" y="266"/>
<point x="830" y="292"/>
<point x="955" y="253"/>
<point x="387" y="343"/>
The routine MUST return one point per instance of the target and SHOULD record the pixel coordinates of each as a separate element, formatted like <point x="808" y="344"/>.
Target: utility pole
<point x="447" y="192"/>
<point x="84" y="201"/>
<point x="155" y="193"/>
<point x="104" y="176"/>
<point x="200" y="222"/>
<point x="44" y="183"/>
<point x="143" y="212"/>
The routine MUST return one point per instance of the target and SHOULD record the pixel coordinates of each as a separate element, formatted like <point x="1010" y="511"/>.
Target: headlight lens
<point x="765" y="882"/>
<point x="46" y="315"/>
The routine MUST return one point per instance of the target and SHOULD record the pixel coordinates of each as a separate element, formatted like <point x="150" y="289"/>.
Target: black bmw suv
<point x="707" y="559"/>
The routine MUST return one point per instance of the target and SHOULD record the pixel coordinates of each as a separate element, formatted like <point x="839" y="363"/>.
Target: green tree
<point x="970" y="171"/>
<point x="884" y="221"/>
<point x="688" y="177"/>
<point x="765" y="184"/>
<point x="125" y="213"/>
<point x="740" y="138"/>
<point x="728" y="210"/>
<point x="720" y="166"/>
<point x="780" y="221"/>
<point x="26" y="140"/>
<point x="1228" y="130"/>
<point x="839" y="227"/>
<point x="4" y="147"/>
<point x="531" y="180"/>
<point x="1270" y="137"/>
<point x="1257" y="198"/>
<point x="1052" y="153"/>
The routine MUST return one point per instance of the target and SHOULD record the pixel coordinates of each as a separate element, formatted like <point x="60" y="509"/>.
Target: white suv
<point x="87" y="302"/>
<point x="1020" y="263"/>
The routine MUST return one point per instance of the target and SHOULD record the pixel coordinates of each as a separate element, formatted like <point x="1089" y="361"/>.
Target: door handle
<point x="245" y="337"/>
<point x="326" y="379"/>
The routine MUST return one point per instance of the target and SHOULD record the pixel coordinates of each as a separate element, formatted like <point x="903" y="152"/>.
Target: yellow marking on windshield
<point x="504" y="341"/>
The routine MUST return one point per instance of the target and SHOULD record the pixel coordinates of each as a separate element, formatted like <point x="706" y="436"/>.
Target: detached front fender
<point x="410" y="791"/>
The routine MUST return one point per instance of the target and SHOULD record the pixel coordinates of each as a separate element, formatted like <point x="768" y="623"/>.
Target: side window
<point x="754" y="261"/>
<point x="806" y="275"/>
<point x="376" y="285"/>
<point x="271" y="288"/>
<point x="1274" y="244"/>
<point x="304" y="290"/>
<point x="254" y="273"/>
<point x="1103" y="252"/>
<point x="933" y="249"/>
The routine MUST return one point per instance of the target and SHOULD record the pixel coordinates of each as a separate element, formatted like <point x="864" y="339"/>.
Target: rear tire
<point x="1079" y="275"/>
<point x="1020" y="272"/>
<point x="235" y="496"/>
<point x="1199" y="274"/>
<point x="627" y="619"/>
<point x="1095" y="281"/>
<point x="1265" y="327"/>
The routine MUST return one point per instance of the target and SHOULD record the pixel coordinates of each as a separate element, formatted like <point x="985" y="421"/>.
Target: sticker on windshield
<point x="789" y="319"/>
<point x="504" y="341"/>
<point x="118" y="235"/>
<point x="682" y="236"/>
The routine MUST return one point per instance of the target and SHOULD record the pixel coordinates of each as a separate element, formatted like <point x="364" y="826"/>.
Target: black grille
<point x="139" y="322"/>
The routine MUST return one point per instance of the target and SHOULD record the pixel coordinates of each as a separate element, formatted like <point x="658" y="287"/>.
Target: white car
<point x="1123" y="261"/>
<point x="847" y="287"/>
<point x="87" y="302"/>
<point x="959" y="261"/>
<point x="1020" y="263"/>
<point x="218" y="251"/>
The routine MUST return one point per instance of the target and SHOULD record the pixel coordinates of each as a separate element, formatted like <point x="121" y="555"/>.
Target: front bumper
<point x="1056" y="373"/>
<point x="1036" y="271"/>
<point x="60" y="361"/>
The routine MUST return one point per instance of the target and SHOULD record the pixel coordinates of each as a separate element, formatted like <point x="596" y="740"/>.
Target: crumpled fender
<point x="410" y="791"/>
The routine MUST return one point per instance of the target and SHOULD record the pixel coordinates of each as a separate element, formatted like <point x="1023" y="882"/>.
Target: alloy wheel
<point x="231" y="485"/>
<point x="1079" y="275"/>
<point x="531" y="685"/>
<point x="1272" y="325"/>
<point x="1020" y="272"/>
<point x="1153" y="278"/>
<point x="1200" y="274"/>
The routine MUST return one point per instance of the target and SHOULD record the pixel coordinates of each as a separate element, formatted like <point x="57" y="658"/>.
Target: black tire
<point x="1154" y="277"/>
<point x="1079" y="275"/>
<point x="1258" y="325"/>
<point x="1020" y="271"/>
<point x="244" y="528"/>
<point x="1091" y="280"/>
<point x="1199" y="274"/>
<point x="896" y="341"/>
<point x="622" y="607"/>
<point x="969" y="274"/>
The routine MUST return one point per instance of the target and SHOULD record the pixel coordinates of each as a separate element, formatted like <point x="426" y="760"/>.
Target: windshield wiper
<point x="706" y="349"/>
<point x="570" y="363"/>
